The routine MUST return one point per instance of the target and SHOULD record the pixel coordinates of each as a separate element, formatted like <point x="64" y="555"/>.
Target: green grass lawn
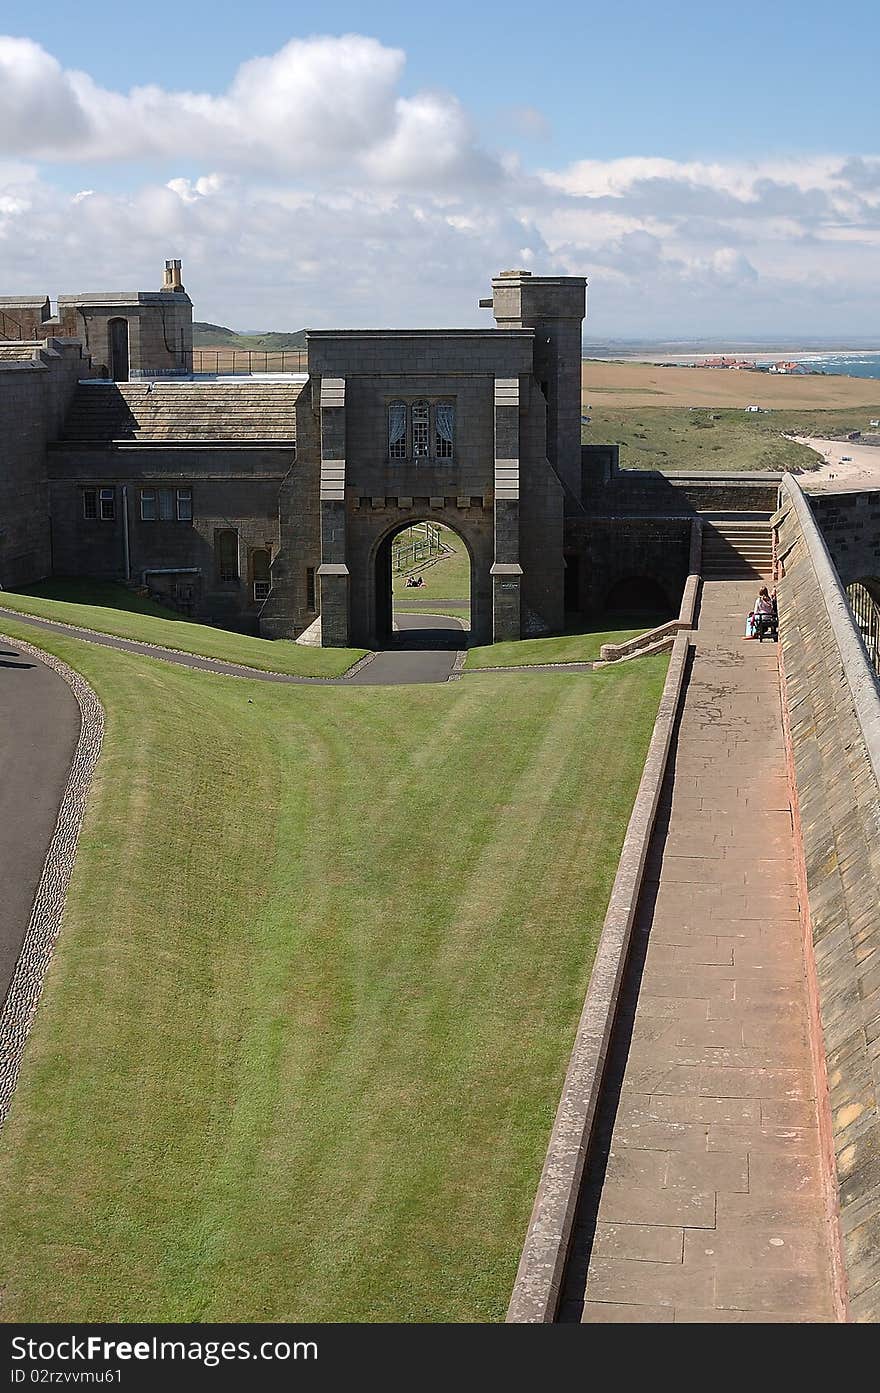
<point x="581" y="647"/>
<point x="306" y="1026"/>
<point x="716" y="438"/>
<point x="447" y="580"/>
<point x="114" y="609"/>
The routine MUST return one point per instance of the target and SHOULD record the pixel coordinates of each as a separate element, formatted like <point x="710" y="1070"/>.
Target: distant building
<point x="742" y="364"/>
<point x="788" y="368"/>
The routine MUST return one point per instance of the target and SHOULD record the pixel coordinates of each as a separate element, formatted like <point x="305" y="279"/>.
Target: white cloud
<point x="316" y="190"/>
<point x="317" y="105"/>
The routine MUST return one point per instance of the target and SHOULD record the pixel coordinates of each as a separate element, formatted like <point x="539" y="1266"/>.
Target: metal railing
<point x="228" y="361"/>
<point x="417" y="543"/>
<point x="10" y="328"/>
<point x="866" y="613"/>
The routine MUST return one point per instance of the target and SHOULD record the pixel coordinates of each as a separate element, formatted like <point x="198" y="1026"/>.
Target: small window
<point x="184" y="505"/>
<point x="166" y="505"/>
<point x="108" y="505"/>
<point x="310" y="588"/>
<point x="397" y="430"/>
<point x="260" y="562"/>
<point x="420" y="430"/>
<point x="226" y="547"/>
<point x="148" y="505"/>
<point x="90" y="504"/>
<point x="444" y="429"/>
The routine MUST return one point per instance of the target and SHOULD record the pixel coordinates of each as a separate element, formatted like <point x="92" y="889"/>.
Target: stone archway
<point x="382" y="579"/>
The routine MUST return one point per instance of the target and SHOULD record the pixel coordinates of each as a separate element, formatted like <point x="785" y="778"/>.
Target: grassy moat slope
<point x="324" y="954"/>
<point x="114" y="609"/>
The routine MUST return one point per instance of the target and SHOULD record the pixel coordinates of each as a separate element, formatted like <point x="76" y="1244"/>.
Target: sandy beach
<point x="845" y="466"/>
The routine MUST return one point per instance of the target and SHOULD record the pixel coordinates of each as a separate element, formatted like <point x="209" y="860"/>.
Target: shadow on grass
<point x="101" y="594"/>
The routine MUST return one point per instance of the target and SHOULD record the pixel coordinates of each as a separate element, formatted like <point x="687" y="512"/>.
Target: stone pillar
<point x="506" y="572"/>
<point x="554" y="306"/>
<point x="333" y="576"/>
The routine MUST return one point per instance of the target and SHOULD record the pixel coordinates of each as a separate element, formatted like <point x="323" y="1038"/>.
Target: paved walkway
<point x="429" y="658"/>
<point x="704" y="1202"/>
<point x="39" y="728"/>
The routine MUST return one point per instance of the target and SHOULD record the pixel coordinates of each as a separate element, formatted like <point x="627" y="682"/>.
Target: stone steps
<point x="737" y="550"/>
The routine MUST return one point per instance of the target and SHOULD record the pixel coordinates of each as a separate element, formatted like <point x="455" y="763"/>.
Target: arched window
<point x="444" y="429"/>
<point x="420" y="442"/>
<point x="226" y="550"/>
<point x="397" y="430"/>
<point x="260" y="562"/>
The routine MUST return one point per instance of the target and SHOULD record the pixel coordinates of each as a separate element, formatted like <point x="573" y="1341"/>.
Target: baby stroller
<point x="766" y="623"/>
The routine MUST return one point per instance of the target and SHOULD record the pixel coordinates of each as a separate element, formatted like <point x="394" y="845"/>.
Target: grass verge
<point x="114" y="609"/>
<point x="305" y="1030"/>
<point x="581" y="647"/>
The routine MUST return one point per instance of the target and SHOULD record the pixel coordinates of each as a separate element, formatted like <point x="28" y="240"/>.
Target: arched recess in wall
<point x="117" y="336"/>
<point x="864" y="601"/>
<point x="261" y="573"/>
<point x="637" y="594"/>
<point x="226" y="555"/>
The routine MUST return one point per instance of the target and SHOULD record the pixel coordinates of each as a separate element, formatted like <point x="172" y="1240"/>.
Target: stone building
<point x="267" y="503"/>
<point x="126" y="334"/>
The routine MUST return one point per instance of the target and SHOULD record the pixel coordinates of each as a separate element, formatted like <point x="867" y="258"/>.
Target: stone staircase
<point x="737" y="547"/>
<point x="169" y="412"/>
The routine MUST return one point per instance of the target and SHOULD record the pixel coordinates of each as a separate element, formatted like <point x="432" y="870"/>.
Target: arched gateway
<point x="479" y="429"/>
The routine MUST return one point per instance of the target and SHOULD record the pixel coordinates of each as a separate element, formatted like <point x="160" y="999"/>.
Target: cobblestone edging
<point x="25" y="989"/>
<point x="539" y="1278"/>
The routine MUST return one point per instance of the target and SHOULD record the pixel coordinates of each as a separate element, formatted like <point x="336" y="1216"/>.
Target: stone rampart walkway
<point x="704" y="1201"/>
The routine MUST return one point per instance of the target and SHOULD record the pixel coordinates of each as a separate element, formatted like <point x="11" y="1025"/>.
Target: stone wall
<point x="34" y="395"/>
<point x="833" y="717"/>
<point x="232" y="487"/>
<point x="850" y="524"/>
<point x="612" y="550"/>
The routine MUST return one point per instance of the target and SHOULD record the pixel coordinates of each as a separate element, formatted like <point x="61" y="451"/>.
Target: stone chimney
<point x="171" y="280"/>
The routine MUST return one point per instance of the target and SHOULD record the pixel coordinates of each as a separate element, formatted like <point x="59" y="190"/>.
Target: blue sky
<point x="712" y="169"/>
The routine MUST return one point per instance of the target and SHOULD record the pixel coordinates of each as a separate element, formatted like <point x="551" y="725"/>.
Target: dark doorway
<point x="118" y="330"/>
<point x="637" y="595"/>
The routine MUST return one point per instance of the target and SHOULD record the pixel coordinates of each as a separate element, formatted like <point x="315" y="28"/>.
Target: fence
<point x="10" y="328"/>
<point x="415" y="545"/>
<point x="244" y="360"/>
<point x="866" y="613"/>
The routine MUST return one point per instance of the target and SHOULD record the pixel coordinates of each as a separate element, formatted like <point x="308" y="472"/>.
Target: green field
<point x="445" y="581"/>
<point x="716" y="438"/>
<point x="114" y="609"/>
<point x="305" y="1029"/>
<point x="580" y="647"/>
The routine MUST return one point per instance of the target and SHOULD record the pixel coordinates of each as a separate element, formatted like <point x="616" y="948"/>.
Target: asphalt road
<point x="423" y="650"/>
<point x="39" y="728"/>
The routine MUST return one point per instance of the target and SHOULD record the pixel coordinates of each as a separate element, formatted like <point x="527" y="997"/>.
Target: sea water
<point x="864" y="363"/>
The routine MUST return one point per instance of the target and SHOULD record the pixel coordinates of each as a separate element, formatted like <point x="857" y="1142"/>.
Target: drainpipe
<point x="125" y="544"/>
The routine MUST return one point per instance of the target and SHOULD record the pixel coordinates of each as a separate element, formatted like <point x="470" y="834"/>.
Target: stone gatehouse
<point x="269" y="502"/>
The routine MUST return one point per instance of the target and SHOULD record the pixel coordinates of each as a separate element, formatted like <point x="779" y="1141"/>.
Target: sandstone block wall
<point x="833" y="707"/>
<point x="850" y="525"/>
<point x="34" y="396"/>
